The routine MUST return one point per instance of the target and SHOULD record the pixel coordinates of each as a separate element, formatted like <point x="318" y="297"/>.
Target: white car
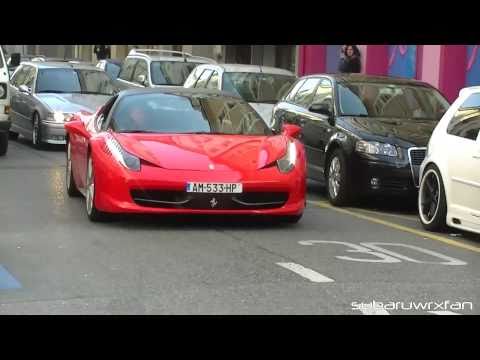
<point x="261" y="86"/>
<point x="450" y="174"/>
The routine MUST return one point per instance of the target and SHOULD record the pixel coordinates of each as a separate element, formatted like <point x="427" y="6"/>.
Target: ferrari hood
<point x="205" y="152"/>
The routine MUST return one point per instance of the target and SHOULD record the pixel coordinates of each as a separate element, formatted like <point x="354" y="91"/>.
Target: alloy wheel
<point x="36" y="127"/>
<point x="90" y="194"/>
<point x="429" y="199"/>
<point x="334" y="177"/>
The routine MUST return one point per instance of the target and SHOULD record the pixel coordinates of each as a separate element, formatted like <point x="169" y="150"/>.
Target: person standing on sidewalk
<point x="102" y="52"/>
<point x="350" y="60"/>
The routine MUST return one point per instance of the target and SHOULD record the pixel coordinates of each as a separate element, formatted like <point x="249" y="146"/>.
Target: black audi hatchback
<point x="363" y="134"/>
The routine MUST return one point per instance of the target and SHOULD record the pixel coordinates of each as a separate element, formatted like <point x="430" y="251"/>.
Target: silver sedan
<point x="45" y="94"/>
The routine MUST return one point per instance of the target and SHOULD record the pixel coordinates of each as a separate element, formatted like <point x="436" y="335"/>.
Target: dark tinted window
<point x="202" y="80"/>
<point x="257" y="87"/>
<point x="391" y="101"/>
<point x="294" y="90"/>
<point x="170" y="72"/>
<point x="169" y="113"/>
<point x="466" y="121"/>
<point x="66" y="80"/>
<point x="127" y="69"/>
<point x="305" y="94"/>
<point x="324" y="94"/>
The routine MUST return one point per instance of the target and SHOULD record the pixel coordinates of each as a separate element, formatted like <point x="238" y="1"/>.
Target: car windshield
<point x="257" y="87"/>
<point x="65" y="80"/>
<point x="391" y="100"/>
<point x="171" y="113"/>
<point x="170" y="72"/>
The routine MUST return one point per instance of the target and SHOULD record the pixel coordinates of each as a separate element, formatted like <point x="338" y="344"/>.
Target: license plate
<point x="214" y="188"/>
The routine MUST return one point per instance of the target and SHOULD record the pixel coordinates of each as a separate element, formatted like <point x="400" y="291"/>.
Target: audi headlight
<point x="126" y="159"/>
<point x="376" y="148"/>
<point x="287" y="162"/>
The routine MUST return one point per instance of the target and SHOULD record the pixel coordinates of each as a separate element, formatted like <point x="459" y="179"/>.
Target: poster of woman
<point x="402" y="60"/>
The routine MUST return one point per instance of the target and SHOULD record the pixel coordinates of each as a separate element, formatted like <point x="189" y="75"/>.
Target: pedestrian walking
<point x="350" y="60"/>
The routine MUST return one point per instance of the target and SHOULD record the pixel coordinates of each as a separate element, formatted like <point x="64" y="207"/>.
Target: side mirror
<point x="142" y="79"/>
<point x="76" y="126"/>
<point x="15" y="60"/>
<point x="24" y="89"/>
<point x="323" y="109"/>
<point x="290" y="130"/>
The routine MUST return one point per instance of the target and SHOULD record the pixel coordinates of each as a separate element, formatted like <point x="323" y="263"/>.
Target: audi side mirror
<point x="325" y="110"/>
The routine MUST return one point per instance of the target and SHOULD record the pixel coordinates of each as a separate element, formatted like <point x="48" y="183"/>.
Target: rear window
<point x="170" y="72"/>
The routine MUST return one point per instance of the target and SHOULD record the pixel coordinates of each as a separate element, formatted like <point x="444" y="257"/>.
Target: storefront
<point x="447" y="67"/>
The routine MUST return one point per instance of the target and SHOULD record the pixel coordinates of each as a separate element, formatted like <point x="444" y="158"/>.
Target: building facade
<point x="447" y="67"/>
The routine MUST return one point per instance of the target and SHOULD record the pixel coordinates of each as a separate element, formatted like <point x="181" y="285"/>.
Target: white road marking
<point x="306" y="272"/>
<point x="444" y="313"/>
<point x="372" y="310"/>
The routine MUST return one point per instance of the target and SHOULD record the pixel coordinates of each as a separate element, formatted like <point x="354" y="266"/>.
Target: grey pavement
<point x="197" y="265"/>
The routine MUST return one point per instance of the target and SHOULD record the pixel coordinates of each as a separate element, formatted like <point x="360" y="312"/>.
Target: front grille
<point x="172" y="199"/>
<point x="416" y="157"/>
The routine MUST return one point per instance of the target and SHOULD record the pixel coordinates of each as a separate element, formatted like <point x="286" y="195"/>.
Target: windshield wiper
<point x="138" y="131"/>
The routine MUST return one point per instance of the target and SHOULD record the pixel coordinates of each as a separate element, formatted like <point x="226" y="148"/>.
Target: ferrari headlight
<point x="128" y="160"/>
<point x="376" y="148"/>
<point x="287" y="162"/>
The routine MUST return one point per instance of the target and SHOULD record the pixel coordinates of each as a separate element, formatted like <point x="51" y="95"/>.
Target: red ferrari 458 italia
<point x="183" y="151"/>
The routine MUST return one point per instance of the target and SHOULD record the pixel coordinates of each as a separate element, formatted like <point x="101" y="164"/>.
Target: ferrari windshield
<point x="257" y="87"/>
<point x="172" y="113"/>
<point x="391" y="100"/>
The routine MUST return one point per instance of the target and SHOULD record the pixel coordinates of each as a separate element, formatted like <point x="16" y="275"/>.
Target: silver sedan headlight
<point x="376" y="148"/>
<point x="58" y="117"/>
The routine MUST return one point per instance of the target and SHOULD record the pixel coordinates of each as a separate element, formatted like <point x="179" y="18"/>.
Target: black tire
<point x="93" y="213"/>
<point x="343" y="195"/>
<point x="3" y="143"/>
<point x="291" y="219"/>
<point x="13" y="135"/>
<point x="72" y="189"/>
<point x="432" y="212"/>
<point x="37" y="132"/>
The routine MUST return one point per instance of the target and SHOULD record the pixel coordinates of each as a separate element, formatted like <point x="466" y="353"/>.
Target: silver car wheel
<point x="334" y="177"/>
<point x="36" y="127"/>
<point x="69" y="164"/>
<point x="90" y="187"/>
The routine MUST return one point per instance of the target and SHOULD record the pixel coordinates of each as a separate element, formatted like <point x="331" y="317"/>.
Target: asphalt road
<point x="54" y="261"/>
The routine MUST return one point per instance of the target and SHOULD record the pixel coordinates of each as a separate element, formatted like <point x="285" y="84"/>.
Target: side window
<point x="466" y="121"/>
<point x="202" y="80"/>
<point x="324" y="95"/>
<point x="192" y="79"/>
<point x="19" y="77"/>
<point x="127" y="69"/>
<point x="140" y="69"/>
<point x="305" y="94"/>
<point x="294" y="90"/>
<point x="213" y="82"/>
<point x="30" y="77"/>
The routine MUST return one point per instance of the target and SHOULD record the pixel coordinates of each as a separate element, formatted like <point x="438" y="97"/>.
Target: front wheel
<point x="93" y="213"/>
<point x="72" y="189"/>
<point x="432" y="203"/>
<point x="338" y="186"/>
<point x="3" y="143"/>
<point x="37" y="132"/>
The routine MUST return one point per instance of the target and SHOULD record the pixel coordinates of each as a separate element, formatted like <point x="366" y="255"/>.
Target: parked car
<point x="261" y="86"/>
<point x="153" y="68"/>
<point x="45" y="94"/>
<point x="450" y="174"/>
<point x="4" y="104"/>
<point x="363" y="134"/>
<point x="111" y="67"/>
<point x="184" y="151"/>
